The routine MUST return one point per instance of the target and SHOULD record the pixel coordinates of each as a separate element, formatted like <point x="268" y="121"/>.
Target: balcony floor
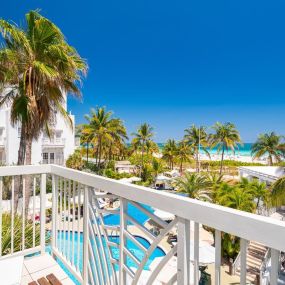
<point x="40" y="266"/>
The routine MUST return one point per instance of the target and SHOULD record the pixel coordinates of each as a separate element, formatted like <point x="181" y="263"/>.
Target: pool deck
<point x="40" y="266"/>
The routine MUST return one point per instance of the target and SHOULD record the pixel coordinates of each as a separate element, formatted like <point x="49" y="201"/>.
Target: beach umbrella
<point x="165" y="216"/>
<point x="162" y="178"/>
<point x="206" y="252"/>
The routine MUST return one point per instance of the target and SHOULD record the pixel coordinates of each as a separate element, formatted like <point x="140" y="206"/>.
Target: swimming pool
<point x="158" y="252"/>
<point x="114" y="219"/>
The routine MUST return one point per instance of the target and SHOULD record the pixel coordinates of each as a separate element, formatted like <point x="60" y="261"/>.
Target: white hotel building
<point x="45" y="150"/>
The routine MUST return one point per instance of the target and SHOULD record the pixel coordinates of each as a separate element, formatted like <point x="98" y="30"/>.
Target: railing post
<point x="54" y="211"/>
<point x="43" y="213"/>
<point x="183" y="252"/>
<point x="85" y="235"/>
<point x="243" y="253"/>
<point x="123" y="227"/>
<point x="274" y="266"/>
<point x="218" y="240"/>
<point x="196" y="253"/>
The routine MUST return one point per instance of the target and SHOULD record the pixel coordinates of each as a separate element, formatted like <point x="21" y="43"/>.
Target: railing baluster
<point x="123" y="226"/>
<point x="183" y="252"/>
<point x="73" y="220"/>
<point x="196" y="253"/>
<point x="68" y="224"/>
<point x="34" y="211"/>
<point x="274" y="266"/>
<point x="60" y="216"/>
<point x="23" y="212"/>
<point x="85" y="236"/>
<point x="43" y="212"/>
<point x="64" y="219"/>
<point x="78" y="225"/>
<point x="1" y="192"/>
<point x="12" y="215"/>
<point x="54" y="211"/>
<point x="243" y="252"/>
<point x="218" y="239"/>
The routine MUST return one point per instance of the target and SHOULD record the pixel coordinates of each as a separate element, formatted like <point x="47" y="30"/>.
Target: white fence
<point x="77" y="207"/>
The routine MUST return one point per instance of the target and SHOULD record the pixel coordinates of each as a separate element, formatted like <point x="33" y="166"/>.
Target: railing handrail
<point x="265" y="230"/>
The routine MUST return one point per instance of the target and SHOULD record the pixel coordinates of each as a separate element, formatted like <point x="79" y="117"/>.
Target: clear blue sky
<point x="174" y="63"/>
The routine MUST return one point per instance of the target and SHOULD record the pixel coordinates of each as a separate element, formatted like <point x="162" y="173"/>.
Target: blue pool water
<point x="78" y="240"/>
<point x="114" y="219"/>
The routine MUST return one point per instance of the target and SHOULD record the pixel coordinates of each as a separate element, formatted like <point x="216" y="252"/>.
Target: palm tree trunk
<point x="100" y="151"/>
<point x="181" y="166"/>
<point x="28" y="178"/>
<point x="197" y="161"/>
<point x="270" y="160"/>
<point x="222" y="160"/>
<point x="87" y="151"/>
<point x="142" y="159"/>
<point x="21" y="161"/>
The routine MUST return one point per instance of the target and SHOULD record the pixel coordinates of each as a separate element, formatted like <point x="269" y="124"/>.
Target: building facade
<point x="44" y="150"/>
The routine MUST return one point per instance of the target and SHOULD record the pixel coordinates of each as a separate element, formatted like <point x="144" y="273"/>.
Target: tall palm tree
<point x="269" y="144"/>
<point x="184" y="154"/>
<point x="143" y="135"/>
<point x="37" y="69"/>
<point x="197" y="138"/>
<point x="103" y="129"/>
<point x="157" y="167"/>
<point x="226" y="137"/>
<point x="169" y="152"/>
<point x="195" y="185"/>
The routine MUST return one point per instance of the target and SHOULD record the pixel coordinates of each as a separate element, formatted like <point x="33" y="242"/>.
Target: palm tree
<point x="260" y="192"/>
<point x="37" y="69"/>
<point x="169" y="152"/>
<point x="143" y="135"/>
<point x="196" y="137"/>
<point x="85" y="138"/>
<point x="184" y="154"/>
<point x="226" y="137"/>
<point x="268" y="144"/>
<point x="157" y="167"/>
<point x="238" y="199"/>
<point x="277" y="197"/>
<point x="102" y="130"/>
<point x="195" y="185"/>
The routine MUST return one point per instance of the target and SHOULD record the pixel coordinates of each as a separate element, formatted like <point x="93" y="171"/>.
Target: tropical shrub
<point x="75" y="161"/>
<point x="6" y="233"/>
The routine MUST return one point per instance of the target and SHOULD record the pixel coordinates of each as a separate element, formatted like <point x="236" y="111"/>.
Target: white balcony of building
<point x="89" y="231"/>
<point x="53" y="142"/>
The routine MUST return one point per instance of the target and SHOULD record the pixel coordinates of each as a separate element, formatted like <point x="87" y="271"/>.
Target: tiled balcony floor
<point x="40" y="266"/>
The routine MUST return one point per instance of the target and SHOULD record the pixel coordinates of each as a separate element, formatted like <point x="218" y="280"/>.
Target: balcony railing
<point x="53" y="141"/>
<point x="77" y="207"/>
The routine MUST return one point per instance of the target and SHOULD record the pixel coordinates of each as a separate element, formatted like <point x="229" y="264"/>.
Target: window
<point x="45" y="156"/>
<point x="51" y="156"/>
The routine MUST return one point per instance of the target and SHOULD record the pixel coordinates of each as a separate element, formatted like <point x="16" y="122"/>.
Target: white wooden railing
<point x="76" y="208"/>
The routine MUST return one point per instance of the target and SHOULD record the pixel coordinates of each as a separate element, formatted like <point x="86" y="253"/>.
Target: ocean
<point x="242" y="150"/>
